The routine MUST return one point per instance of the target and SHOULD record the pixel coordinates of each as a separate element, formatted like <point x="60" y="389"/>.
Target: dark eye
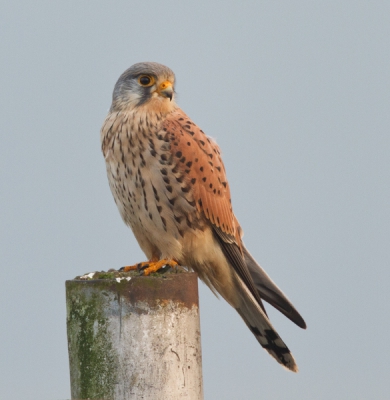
<point x="146" y="80"/>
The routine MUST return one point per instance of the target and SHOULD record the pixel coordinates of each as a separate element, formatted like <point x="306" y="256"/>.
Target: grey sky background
<point x="297" y="96"/>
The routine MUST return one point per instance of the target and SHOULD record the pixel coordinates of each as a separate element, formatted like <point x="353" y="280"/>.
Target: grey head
<point x="143" y="82"/>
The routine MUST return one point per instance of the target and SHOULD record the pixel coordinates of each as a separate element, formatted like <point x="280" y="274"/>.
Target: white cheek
<point x="133" y="97"/>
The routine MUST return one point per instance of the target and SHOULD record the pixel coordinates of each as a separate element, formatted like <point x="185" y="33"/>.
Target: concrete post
<point x="135" y="338"/>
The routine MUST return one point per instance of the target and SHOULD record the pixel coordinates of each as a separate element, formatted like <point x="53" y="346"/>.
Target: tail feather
<point x="261" y="327"/>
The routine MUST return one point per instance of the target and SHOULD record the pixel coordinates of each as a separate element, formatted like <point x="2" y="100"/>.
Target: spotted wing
<point x="199" y="159"/>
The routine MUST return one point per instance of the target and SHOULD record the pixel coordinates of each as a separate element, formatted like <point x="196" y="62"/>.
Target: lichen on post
<point x="133" y="337"/>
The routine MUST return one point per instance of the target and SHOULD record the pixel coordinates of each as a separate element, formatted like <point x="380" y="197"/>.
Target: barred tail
<point x="259" y="324"/>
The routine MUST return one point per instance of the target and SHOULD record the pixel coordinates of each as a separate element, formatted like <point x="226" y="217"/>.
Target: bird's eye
<point x="146" y="80"/>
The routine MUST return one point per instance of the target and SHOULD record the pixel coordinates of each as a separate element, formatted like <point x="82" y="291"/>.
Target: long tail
<point x="259" y="324"/>
<point x="252" y="284"/>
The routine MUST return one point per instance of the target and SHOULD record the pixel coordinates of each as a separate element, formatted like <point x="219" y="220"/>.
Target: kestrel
<point x="169" y="183"/>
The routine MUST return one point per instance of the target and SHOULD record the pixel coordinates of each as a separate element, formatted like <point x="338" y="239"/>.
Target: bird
<point x="169" y="183"/>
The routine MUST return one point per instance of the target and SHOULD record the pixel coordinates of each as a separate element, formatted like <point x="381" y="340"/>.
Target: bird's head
<point x="146" y="84"/>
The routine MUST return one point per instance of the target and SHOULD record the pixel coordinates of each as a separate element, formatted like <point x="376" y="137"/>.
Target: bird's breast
<point x="152" y="193"/>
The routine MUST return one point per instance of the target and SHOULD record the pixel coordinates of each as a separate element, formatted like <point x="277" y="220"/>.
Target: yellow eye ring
<point x="146" y="80"/>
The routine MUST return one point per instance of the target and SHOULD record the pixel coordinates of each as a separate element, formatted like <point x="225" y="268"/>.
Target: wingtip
<point x="299" y="321"/>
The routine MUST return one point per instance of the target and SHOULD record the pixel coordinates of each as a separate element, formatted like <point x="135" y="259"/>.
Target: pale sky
<point x="297" y="96"/>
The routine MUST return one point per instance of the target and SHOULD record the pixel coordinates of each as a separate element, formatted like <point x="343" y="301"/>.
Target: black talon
<point x="141" y="268"/>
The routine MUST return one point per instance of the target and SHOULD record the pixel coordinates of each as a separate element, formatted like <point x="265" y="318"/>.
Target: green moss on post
<point x="92" y="359"/>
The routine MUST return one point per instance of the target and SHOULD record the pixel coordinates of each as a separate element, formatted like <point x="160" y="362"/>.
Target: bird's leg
<point x="149" y="267"/>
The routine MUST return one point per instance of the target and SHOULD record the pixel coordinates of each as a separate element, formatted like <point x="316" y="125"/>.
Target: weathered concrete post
<point x="135" y="338"/>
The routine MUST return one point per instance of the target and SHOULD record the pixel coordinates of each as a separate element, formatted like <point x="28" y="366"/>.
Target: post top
<point x="154" y="290"/>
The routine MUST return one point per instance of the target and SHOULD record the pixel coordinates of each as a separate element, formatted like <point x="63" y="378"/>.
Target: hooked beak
<point x="166" y="90"/>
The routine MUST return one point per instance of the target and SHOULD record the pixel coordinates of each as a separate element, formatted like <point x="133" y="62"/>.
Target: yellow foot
<point x="135" y="267"/>
<point x="149" y="267"/>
